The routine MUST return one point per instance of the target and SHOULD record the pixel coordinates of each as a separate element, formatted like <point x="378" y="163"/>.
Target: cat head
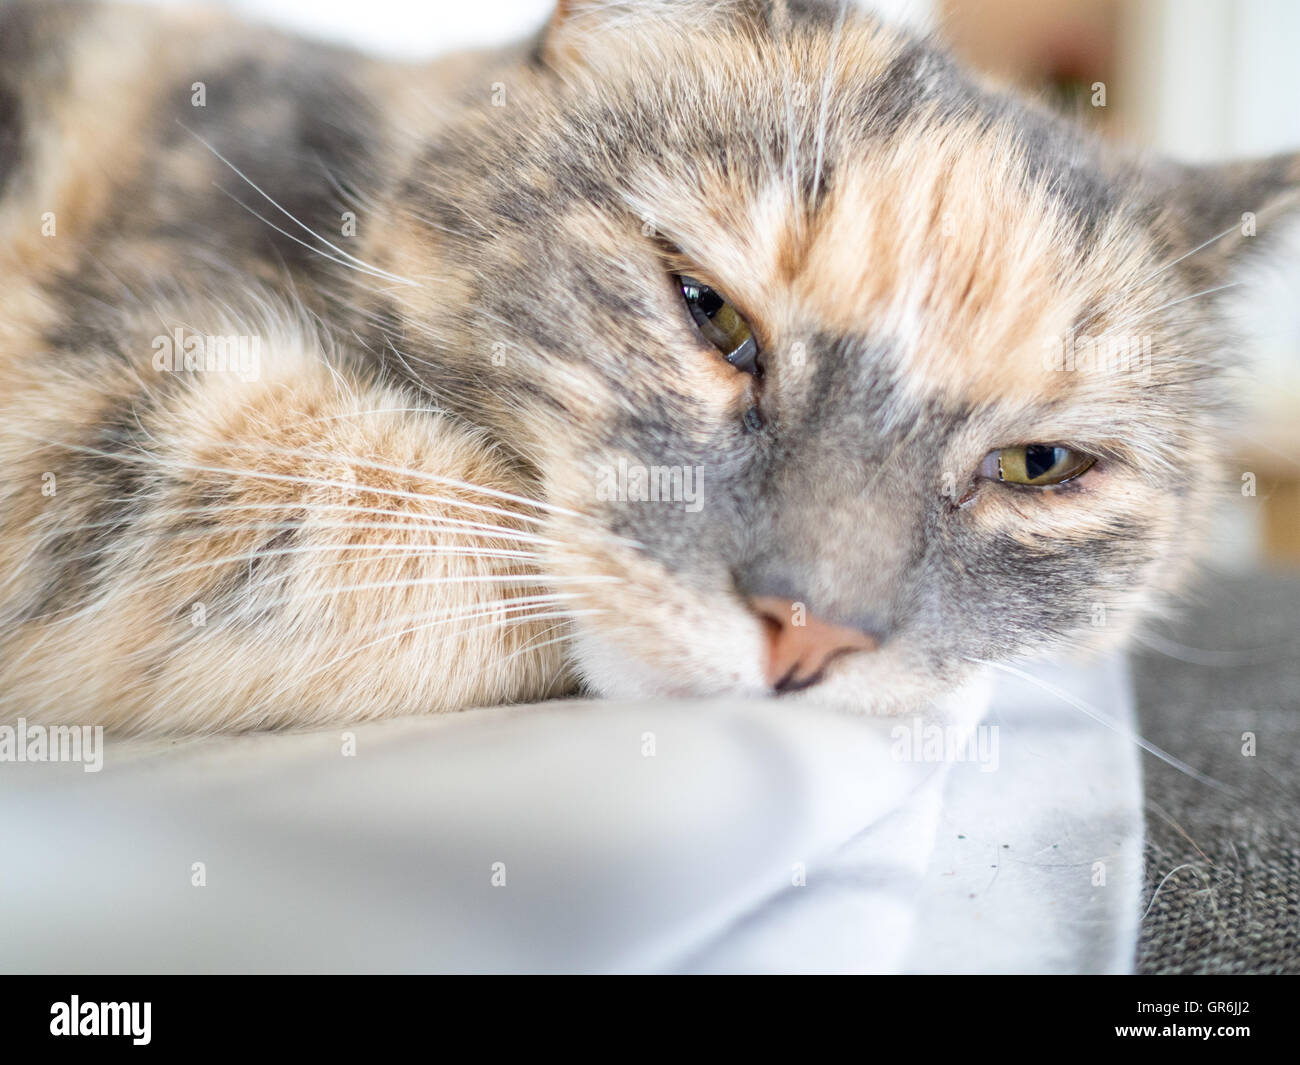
<point x="840" y="372"/>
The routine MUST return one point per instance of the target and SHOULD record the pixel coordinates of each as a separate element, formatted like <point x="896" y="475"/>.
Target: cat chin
<point x="884" y="686"/>
<point x="608" y="670"/>
<point x="961" y="703"/>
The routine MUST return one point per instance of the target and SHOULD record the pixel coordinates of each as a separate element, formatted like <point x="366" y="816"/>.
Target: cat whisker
<point x="540" y="580"/>
<point x="414" y="523"/>
<point x="420" y="475"/>
<point x="1252" y="656"/>
<point x="1196" y="296"/>
<point x="375" y="547"/>
<point x="1144" y="312"/>
<point x="782" y="15"/>
<point x="158" y="580"/>
<point x="446" y="482"/>
<point x="1267" y="445"/>
<point x="284" y="478"/>
<point x="378" y="547"/>
<point x="349" y="194"/>
<point x="1133" y="289"/>
<point x="532" y="646"/>
<point x="1235" y="227"/>
<point x="458" y="550"/>
<point x="824" y="104"/>
<point x="500" y="607"/>
<point x="311" y="248"/>
<point x="1103" y="719"/>
<point x="312" y="522"/>
<point x="361" y="263"/>
<point x="406" y="366"/>
<point x="298" y="678"/>
<point x="264" y="605"/>
<point x="519" y="607"/>
<point x="259" y="584"/>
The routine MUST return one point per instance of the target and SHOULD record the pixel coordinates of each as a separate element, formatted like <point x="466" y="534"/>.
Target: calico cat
<point x="684" y="349"/>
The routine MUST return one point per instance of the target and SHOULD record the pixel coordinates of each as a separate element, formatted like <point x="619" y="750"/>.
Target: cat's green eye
<point x="721" y="324"/>
<point x="1036" y="465"/>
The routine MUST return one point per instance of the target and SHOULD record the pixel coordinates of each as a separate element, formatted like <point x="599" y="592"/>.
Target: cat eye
<point x="721" y="324"/>
<point x="1035" y="465"/>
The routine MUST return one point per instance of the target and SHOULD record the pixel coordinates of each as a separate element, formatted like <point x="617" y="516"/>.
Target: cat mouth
<point x="793" y="682"/>
<point x="799" y="648"/>
<point x="773" y="647"/>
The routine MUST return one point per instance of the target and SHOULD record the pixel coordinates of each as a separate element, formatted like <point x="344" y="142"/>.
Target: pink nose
<point x="800" y="646"/>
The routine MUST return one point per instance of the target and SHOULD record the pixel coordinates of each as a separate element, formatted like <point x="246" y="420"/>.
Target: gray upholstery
<point x="1227" y="865"/>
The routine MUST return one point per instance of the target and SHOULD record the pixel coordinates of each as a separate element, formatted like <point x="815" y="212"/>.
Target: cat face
<point x="844" y="374"/>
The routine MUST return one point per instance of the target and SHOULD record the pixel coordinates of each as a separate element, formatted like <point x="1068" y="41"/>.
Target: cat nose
<point x="799" y="646"/>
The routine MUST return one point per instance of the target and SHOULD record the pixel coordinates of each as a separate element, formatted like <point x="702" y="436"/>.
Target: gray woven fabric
<point x="1224" y="869"/>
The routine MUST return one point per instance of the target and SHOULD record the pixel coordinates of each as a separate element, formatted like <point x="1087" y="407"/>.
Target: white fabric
<point x="752" y="837"/>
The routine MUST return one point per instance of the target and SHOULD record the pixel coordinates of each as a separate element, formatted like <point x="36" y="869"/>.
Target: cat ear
<point x="577" y="28"/>
<point x="1220" y="212"/>
<point x="569" y="20"/>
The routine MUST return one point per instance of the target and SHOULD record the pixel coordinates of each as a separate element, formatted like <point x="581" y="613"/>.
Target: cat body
<point x="336" y="389"/>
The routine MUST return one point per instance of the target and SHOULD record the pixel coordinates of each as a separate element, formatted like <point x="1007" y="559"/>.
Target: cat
<point x="682" y="349"/>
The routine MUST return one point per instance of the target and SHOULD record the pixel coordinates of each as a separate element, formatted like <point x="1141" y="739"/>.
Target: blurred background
<point x="1197" y="80"/>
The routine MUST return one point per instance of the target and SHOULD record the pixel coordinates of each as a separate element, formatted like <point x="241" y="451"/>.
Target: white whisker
<point x="1196" y="295"/>
<point x="353" y="652"/>
<point x="302" y="225"/>
<point x="1103" y="719"/>
<point x="448" y="526"/>
<point x="1197" y="656"/>
<point x="824" y="106"/>
<point x="311" y="248"/>
<point x="1236" y="226"/>
<point x="284" y="478"/>
<point x="447" y="482"/>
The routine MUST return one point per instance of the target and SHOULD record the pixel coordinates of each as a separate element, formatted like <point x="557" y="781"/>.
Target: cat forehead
<point x="945" y="247"/>
<point x="863" y="185"/>
<point x="941" y="244"/>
